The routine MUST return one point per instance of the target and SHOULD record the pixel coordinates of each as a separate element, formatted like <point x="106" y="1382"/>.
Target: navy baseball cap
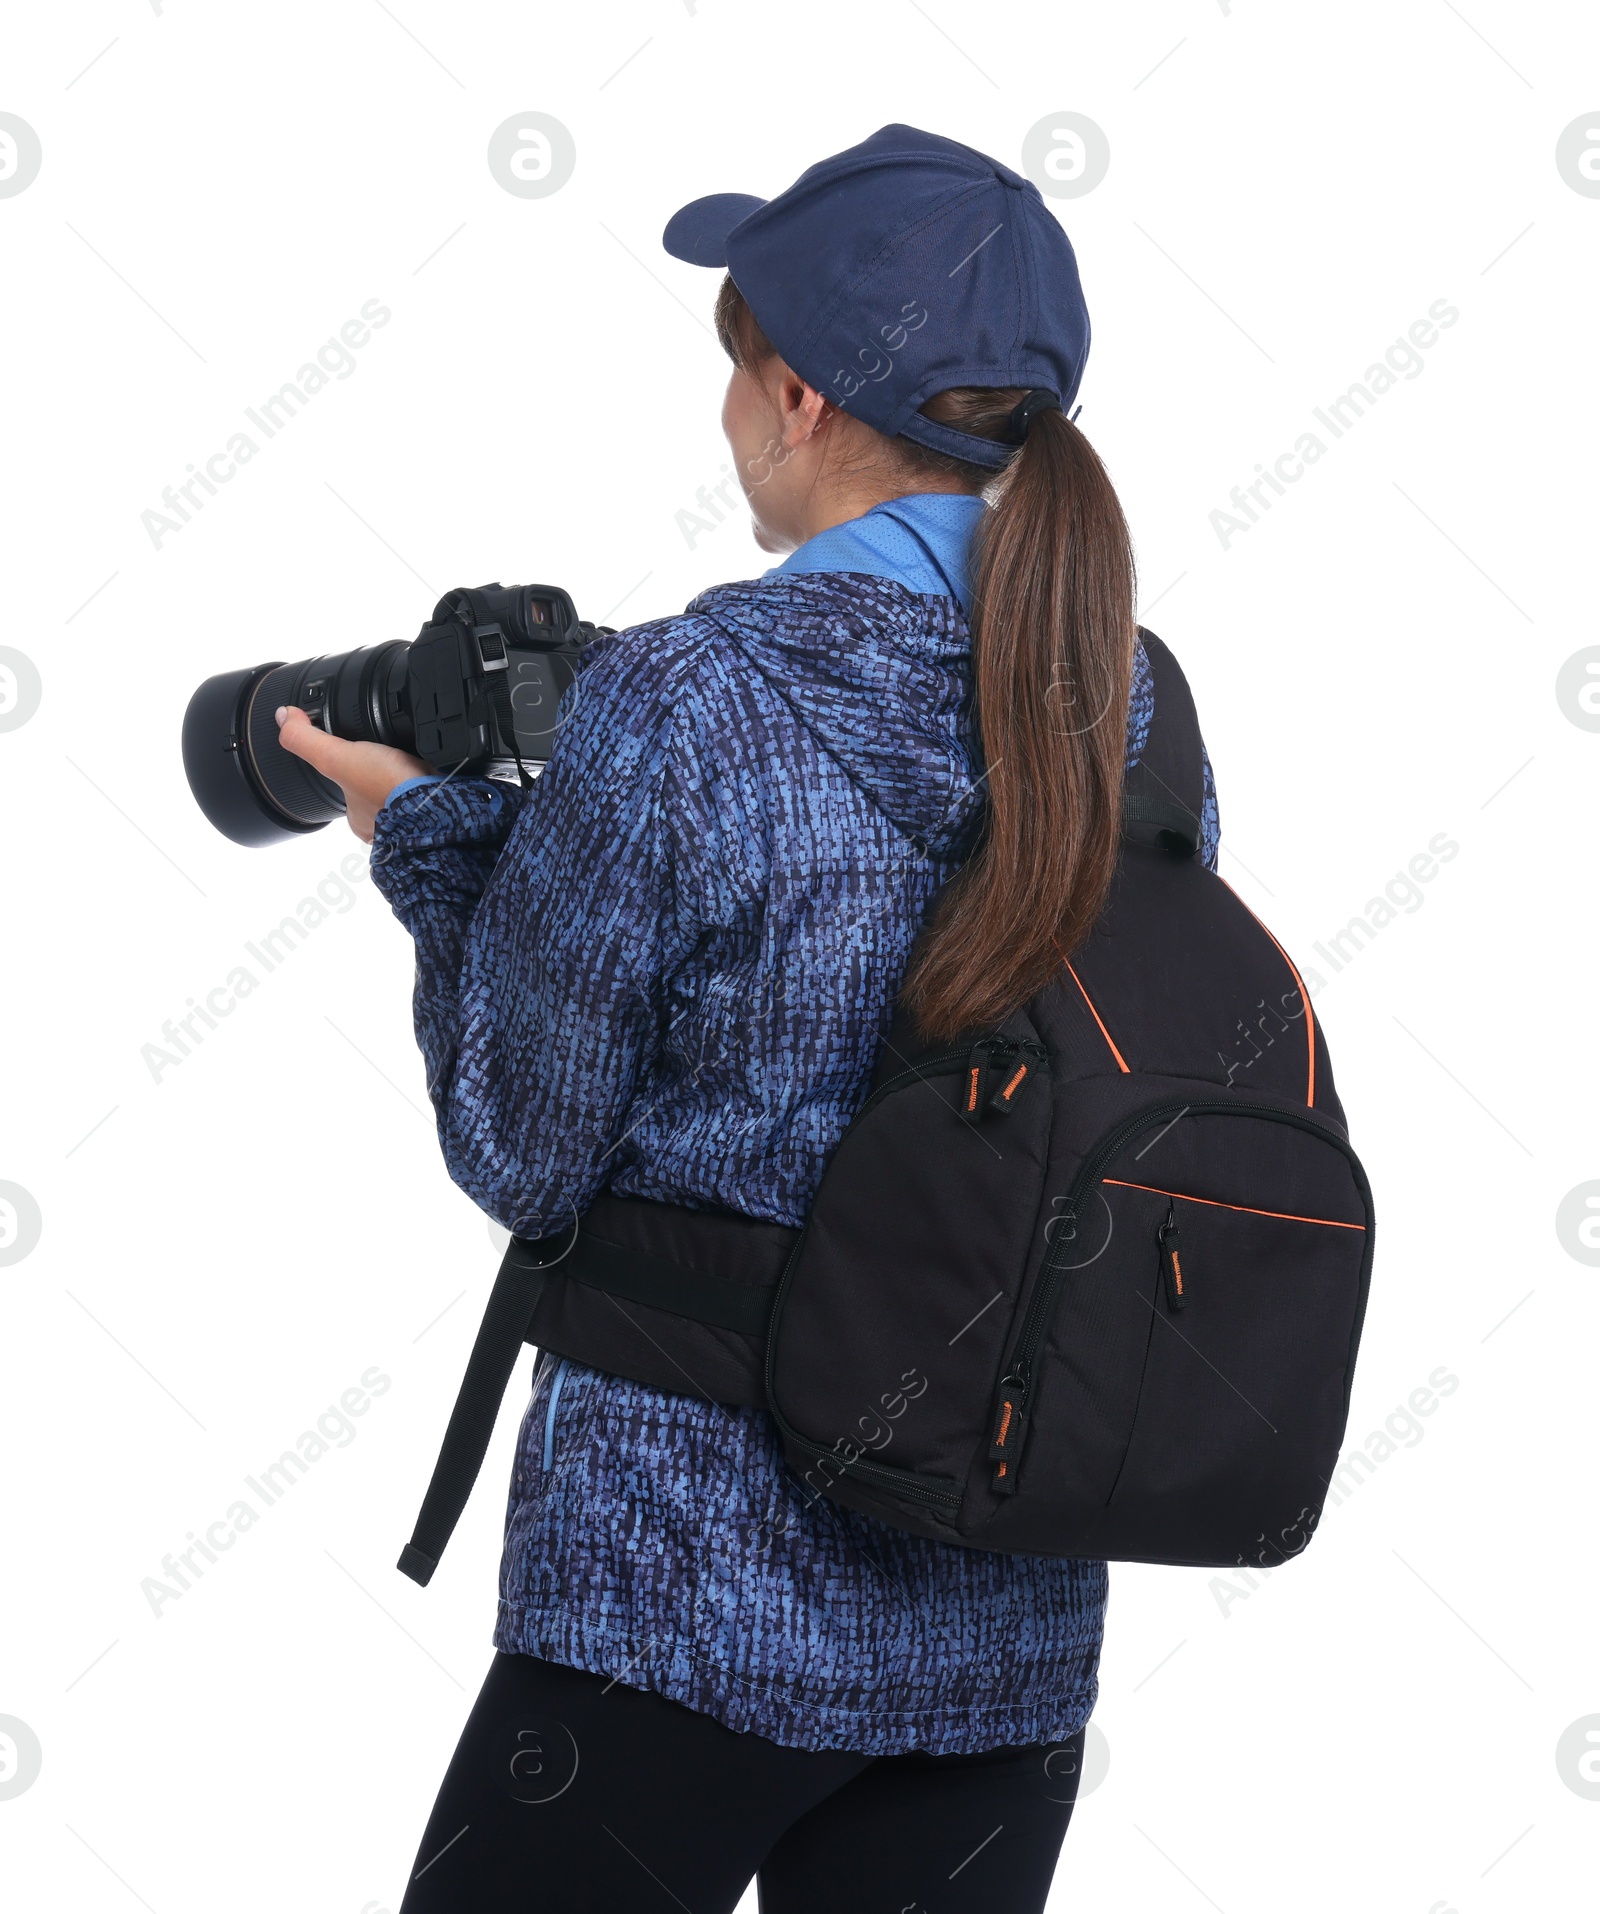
<point x="897" y="269"/>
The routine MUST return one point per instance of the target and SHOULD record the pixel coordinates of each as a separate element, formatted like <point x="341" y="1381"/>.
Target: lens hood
<point x="218" y="766"/>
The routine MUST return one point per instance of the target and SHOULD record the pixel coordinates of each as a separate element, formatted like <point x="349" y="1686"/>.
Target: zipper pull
<point x="1172" y="1263"/>
<point x="1010" y="1421"/>
<point x="1014" y="1071"/>
<point x="975" y="1080"/>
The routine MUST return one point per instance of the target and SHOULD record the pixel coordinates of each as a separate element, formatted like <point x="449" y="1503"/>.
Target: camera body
<point x="477" y="691"/>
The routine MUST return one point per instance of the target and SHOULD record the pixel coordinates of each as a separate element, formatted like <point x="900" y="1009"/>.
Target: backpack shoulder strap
<point x="1165" y="790"/>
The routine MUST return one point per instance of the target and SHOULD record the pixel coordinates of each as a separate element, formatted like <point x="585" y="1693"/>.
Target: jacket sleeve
<point x="1141" y="712"/>
<point x="1210" y="819"/>
<point x="545" y="924"/>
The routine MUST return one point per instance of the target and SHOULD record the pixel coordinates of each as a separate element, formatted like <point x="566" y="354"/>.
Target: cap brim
<point x="698" y="232"/>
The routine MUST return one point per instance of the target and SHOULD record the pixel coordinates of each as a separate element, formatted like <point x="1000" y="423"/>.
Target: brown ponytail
<point x="1053" y="629"/>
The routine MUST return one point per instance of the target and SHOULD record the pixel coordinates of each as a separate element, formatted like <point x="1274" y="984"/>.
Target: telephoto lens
<point x="477" y="691"/>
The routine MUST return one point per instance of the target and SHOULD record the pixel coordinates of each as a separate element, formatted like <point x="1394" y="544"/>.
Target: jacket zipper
<point x="1013" y="1396"/>
<point x="549" y="1455"/>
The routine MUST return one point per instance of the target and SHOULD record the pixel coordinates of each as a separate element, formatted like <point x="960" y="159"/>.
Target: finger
<point x="329" y="755"/>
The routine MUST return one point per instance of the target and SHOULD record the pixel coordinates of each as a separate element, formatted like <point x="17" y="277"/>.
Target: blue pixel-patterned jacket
<point x="664" y="970"/>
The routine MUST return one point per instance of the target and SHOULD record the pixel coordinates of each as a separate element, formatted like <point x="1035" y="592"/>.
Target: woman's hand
<point x="366" y="773"/>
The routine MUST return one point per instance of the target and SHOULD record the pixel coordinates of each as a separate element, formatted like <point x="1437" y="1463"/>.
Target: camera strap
<point x="499" y="689"/>
<point x="494" y="659"/>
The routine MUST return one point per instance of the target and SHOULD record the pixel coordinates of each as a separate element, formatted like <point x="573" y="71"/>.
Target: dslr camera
<point x="476" y="691"/>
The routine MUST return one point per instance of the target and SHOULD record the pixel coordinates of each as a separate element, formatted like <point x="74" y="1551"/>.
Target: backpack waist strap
<point x="709" y="1266"/>
<point x="674" y="1298"/>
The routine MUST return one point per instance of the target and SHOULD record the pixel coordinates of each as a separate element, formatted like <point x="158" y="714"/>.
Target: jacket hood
<point x="881" y="677"/>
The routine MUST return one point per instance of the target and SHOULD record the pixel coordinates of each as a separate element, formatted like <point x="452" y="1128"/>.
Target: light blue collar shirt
<point x="921" y="541"/>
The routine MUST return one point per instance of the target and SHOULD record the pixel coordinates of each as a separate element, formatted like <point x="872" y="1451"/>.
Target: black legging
<point x="570" y="1793"/>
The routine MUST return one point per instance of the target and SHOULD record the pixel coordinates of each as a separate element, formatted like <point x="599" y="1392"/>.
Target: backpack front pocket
<point x="1178" y="1387"/>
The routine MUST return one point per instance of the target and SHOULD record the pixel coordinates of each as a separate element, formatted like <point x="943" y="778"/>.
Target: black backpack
<point x="1090" y="1283"/>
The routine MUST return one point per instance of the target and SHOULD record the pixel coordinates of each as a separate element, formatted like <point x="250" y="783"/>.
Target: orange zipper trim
<point x="1121" y="1065"/>
<point x="1244" y="1209"/>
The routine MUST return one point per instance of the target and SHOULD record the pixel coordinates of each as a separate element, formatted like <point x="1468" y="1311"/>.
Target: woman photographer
<point x="664" y="971"/>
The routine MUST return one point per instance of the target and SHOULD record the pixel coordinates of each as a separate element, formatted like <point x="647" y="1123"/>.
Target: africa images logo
<point x="335" y="359"/>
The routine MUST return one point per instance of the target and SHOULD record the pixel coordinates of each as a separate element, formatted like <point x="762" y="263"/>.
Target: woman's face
<point x="771" y="420"/>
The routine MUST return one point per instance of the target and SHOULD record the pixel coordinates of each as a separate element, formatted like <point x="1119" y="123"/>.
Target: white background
<point x="227" y="1249"/>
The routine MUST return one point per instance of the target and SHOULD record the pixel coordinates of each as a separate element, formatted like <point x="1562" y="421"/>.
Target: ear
<point x="802" y="410"/>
